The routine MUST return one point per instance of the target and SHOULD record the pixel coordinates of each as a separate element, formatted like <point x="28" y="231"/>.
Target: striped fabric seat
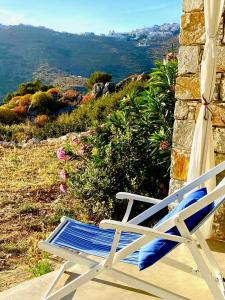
<point x="92" y="240"/>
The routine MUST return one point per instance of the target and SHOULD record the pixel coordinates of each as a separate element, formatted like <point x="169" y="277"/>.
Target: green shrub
<point x="28" y="208"/>
<point x="7" y="97"/>
<point x="42" y="102"/>
<point x="10" y="247"/>
<point x="28" y="88"/>
<point x="42" y="267"/>
<point x="98" y="77"/>
<point x="131" y="150"/>
<point x="41" y="120"/>
<point x="32" y="87"/>
<point x="7" y="116"/>
<point x="80" y="119"/>
<point x="25" y="100"/>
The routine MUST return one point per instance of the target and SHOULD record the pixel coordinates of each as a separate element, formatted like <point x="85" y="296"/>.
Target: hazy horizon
<point x="76" y="16"/>
<point x="97" y="33"/>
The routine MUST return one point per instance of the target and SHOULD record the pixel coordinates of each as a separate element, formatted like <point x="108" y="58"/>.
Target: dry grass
<point x="30" y="206"/>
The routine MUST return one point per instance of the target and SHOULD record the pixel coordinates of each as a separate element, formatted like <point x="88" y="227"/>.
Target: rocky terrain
<point x="55" y="77"/>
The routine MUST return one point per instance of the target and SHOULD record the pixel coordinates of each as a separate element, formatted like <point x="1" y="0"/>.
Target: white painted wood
<point x="152" y="233"/>
<point x="74" y="284"/>
<point x="128" y="210"/>
<point x="129" y="196"/>
<point x="203" y="268"/>
<point x="64" y="267"/>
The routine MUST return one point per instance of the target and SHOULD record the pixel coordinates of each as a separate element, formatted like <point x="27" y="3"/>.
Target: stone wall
<point x="192" y="39"/>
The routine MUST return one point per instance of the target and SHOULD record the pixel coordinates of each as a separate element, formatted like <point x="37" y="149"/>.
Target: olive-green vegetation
<point x="130" y="149"/>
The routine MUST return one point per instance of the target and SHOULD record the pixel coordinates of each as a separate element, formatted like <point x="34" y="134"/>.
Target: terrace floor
<point x="103" y="287"/>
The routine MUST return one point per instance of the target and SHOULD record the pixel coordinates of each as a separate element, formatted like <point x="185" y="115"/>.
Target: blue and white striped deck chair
<point x="117" y="241"/>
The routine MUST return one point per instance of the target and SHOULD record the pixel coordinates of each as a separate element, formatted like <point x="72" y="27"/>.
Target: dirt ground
<point x="31" y="205"/>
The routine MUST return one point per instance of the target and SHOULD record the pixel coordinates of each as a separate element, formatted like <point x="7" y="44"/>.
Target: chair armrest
<point x="120" y="226"/>
<point x="129" y="196"/>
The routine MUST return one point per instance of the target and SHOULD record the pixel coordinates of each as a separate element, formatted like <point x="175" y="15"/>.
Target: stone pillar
<point x="192" y="39"/>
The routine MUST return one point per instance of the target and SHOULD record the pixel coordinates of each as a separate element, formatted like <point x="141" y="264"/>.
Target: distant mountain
<point x="26" y="50"/>
<point x="145" y="36"/>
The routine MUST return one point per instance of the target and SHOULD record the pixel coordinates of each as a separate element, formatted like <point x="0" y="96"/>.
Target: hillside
<point x="26" y="49"/>
<point x="31" y="205"/>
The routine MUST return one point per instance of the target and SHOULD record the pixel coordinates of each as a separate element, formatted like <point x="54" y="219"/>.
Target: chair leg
<point x="205" y="272"/>
<point x="207" y="252"/>
<point x="74" y="284"/>
<point x="213" y="284"/>
<point x="213" y="263"/>
<point x="63" y="268"/>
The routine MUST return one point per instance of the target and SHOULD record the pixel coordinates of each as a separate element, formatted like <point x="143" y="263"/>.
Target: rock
<point x="192" y="28"/>
<point x="175" y="185"/>
<point x="97" y="90"/>
<point x="219" y="138"/>
<point x="188" y="88"/>
<point x="109" y="88"/>
<point x="220" y="157"/>
<point x="135" y="77"/>
<point x="222" y="89"/>
<point x="180" y="164"/>
<point x="31" y="142"/>
<point x="218" y="114"/>
<point x="191" y="5"/>
<point x="79" y="98"/>
<point x="219" y="223"/>
<point x="7" y="144"/>
<point x="191" y="110"/>
<point x="188" y="59"/>
<point x="181" y="110"/>
<point x="220" y="50"/>
<point x="183" y="134"/>
<point x="122" y="83"/>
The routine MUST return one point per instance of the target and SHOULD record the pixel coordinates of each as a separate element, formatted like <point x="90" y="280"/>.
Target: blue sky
<point x="90" y="15"/>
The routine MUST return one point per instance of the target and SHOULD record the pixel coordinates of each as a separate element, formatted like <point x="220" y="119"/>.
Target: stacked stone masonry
<point x="192" y="39"/>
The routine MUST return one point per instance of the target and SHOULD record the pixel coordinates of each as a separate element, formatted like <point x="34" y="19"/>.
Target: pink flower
<point x="63" y="175"/>
<point x="83" y="148"/>
<point x="76" y="141"/>
<point x="63" y="188"/>
<point x="61" y="154"/>
<point x="164" y="145"/>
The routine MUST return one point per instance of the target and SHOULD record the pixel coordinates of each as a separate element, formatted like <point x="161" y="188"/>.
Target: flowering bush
<point x="86" y="98"/>
<point x="41" y="120"/>
<point x="54" y="91"/>
<point x="20" y="110"/>
<point x="70" y="96"/>
<point x="7" y="116"/>
<point x="130" y="151"/>
<point x="25" y="100"/>
<point x="15" y="101"/>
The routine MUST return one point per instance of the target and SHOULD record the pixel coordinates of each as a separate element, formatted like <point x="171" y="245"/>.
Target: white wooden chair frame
<point x="209" y="271"/>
